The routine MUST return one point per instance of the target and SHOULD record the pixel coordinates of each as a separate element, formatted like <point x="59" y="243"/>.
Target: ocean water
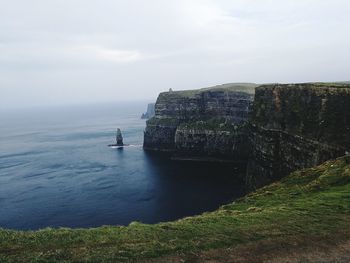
<point x="57" y="171"/>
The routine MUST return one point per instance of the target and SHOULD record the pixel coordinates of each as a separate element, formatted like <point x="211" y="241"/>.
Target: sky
<point x="61" y="52"/>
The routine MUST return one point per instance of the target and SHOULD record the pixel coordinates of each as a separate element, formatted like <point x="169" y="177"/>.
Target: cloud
<point x="118" y="55"/>
<point x="204" y="13"/>
<point x="101" y="54"/>
<point x="63" y="51"/>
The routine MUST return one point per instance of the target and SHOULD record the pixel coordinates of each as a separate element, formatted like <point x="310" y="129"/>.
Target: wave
<point x="20" y="154"/>
<point x="125" y="146"/>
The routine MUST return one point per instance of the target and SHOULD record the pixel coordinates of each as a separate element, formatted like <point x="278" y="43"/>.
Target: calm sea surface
<point x="56" y="170"/>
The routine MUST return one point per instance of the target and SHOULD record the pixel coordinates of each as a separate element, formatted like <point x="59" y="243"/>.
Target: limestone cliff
<point x="226" y="140"/>
<point x="206" y="122"/>
<point x="296" y="126"/>
<point x="287" y="127"/>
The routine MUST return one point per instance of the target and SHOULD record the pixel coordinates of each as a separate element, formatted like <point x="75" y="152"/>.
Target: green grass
<point x="214" y="124"/>
<point x="250" y="88"/>
<point x="311" y="202"/>
<point x="231" y="87"/>
<point x="154" y="121"/>
<point x="311" y="85"/>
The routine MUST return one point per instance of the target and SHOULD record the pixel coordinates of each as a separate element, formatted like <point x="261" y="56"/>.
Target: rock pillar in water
<point x="119" y="138"/>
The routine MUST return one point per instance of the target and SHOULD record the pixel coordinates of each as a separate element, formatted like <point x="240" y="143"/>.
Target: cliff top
<point x="230" y="87"/>
<point x="311" y="85"/>
<point x="250" y="88"/>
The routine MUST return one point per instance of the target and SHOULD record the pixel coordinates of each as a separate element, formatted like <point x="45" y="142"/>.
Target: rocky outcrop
<point x="119" y="138"/>
<point x="206" y="122"/>
<point x="296" y="126"/>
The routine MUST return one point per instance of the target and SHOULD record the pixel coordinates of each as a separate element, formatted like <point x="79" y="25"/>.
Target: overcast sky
<point x="82" y="51"/>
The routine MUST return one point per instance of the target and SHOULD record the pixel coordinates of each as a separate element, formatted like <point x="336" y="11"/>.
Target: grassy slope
<point x="230" y="87"/>
<point x="250" y="87"/>
<point x="308" y="204"/>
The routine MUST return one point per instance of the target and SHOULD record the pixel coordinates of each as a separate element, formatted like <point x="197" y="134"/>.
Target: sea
<point x="56" y="170"/>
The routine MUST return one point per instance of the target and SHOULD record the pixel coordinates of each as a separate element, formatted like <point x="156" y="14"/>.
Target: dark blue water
<point x="56" y="170"/>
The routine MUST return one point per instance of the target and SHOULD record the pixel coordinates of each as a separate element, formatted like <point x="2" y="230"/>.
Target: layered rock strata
<point x="296" y="126"/>
<point x="207" y="122"/>
<point x="287" y="127"/>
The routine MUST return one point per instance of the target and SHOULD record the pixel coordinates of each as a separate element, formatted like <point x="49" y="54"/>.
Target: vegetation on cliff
<point x="313" y="110"/>
<point x="213" y="124"/>
<point x="312" y="204"/>
<point x="163" y="122"/>
<point x="295" y="126"/>
<point x="215" y="110"/>
<point x="230" y="87"/>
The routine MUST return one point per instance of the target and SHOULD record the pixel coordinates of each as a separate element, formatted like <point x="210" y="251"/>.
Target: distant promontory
<point x="150" y="111"/>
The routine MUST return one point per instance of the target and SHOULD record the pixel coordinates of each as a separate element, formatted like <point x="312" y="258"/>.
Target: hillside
<point x="308" y="211"/>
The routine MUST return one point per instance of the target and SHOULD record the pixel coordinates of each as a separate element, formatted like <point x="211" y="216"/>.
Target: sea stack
<point x="119" y="138"/>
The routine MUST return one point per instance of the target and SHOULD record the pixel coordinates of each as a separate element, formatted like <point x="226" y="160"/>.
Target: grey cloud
<point x="62" y="51"/>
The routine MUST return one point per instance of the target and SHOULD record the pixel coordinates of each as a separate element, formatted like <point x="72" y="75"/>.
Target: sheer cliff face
<point x="230" y="105"/>
<point x="296" y="126"/>
<point x="289" y="127"/>
<point x="200" y="123"/>
<point x="315" y="111"/>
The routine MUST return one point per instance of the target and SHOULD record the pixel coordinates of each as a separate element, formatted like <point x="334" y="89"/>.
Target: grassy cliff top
<point x="230" y="87"/>
<point x="250" y="88"/>
<point x="311" y="85"/>
<point x="308" y="208"/>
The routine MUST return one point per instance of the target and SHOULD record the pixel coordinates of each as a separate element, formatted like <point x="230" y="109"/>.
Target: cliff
<point x="287" y="127"/>
<point x="207" y="122"/>
<point x="214" y="138"/>
<point x="150" y="111"/>
<point x="296" y="126"/>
